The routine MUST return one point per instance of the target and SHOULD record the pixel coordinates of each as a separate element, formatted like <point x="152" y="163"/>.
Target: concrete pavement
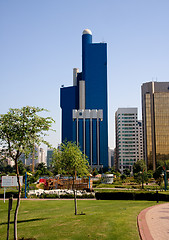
<point x="153" y="222"/>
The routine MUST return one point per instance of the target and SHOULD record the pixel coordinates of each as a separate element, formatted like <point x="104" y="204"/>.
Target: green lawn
<point x="52" y="220"/>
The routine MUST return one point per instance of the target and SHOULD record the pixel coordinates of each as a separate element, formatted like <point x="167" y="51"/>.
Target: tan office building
<point x="127" y="142"/>
<point x="155" y="111"/>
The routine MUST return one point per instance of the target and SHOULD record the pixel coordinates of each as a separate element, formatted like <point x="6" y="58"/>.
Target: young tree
<point x="139" y="166"/>
<point x="123" y="177"/>
<point x="140" y="172"/>
<point x="127" y="172"/>
<point x="21" y="167"/>
<point x="69" y="160"/>
<point x="41" y="170"/>
<point x="20" y="130"/>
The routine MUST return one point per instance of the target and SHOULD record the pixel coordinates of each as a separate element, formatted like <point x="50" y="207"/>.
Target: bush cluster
<point x="149" y="196"/>
<point x="43" y="195"/>
<point x="65" y="196"/>
<point x="8" y="194"/>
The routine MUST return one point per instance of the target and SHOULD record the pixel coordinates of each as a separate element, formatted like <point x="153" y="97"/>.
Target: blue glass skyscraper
<point x="84" y="105"/>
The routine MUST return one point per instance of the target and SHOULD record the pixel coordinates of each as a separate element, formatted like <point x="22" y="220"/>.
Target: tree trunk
<point x="74" y="190"/>
<point x="142" y="181"/>
<point x="18" y="201"/>
<point x="33" y="158"/>
<point x="9" y="210"/>
<point x="75" y="201"/>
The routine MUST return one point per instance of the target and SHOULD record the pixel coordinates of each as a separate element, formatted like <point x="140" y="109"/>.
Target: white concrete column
<point x="98" y="145"/>
<point x="81" y="94"/>
<point x="75" y="72"/>
<point x="84" y="135"/>
<point x="77" y="130"/>
<point x="91" y="143"/>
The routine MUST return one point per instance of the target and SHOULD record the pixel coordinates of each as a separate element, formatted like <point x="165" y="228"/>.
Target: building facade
<point x="111" y="158"/>
<point x="34" y="158"/>
<point x="49" y="157"/>
<point x="127" y="138"/>
<point x="140" y="140"/>
<point x="42" y="157"/>
<point x="84" y="105"/>
<point x="155" y="111"/>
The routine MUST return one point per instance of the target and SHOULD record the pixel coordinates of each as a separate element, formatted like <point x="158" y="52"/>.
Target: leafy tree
<point x="139" y="170"/>
<point x="21" y="167"/>
<point x="150" y="173"/>
<point x="1" y="167"/>
<point x="28" y="168"/>
<point x="113" y="170"/>
<point x="123" y="177"/>
<point x="160" y="180"/>
<point x="158" y="174"/>
<point x="20" y="130"/>
<point x="103" y="170"/>
<point x="95" y="172"/>
<point x="9" y="169"/>
<point x="141" y="177"/>
<point x="5" y="168"/>
<point x="127" y="172"/>
<point x="41" y="170"/>
<point x="70" y="161"/>
<point x="139" y="166"/>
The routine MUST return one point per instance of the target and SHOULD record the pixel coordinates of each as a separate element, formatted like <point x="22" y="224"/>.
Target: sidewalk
<point x="153" y="222"/>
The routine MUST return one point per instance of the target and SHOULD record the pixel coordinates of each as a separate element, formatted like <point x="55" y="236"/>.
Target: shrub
<point x="32" y="196"/>
<point x="150" y="196"/>
<point x="66" y="196"/>
<point x="8" y="194"/>
<point x="44" y="195"/>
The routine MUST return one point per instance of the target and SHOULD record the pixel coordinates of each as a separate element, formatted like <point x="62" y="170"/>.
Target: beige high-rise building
<point x="127" y="138"/>
<point x="140" y="140"/>
<point x="155" y="111"/>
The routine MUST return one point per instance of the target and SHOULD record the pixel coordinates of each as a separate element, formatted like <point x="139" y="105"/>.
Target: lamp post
<point x="25" y="183"/>
<point x="142" y="180"/>
<point x="165" y="177"/>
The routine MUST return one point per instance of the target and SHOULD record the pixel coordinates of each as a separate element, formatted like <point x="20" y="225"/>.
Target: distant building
<point x="111" y="158"/>
<point x="7" y="161"/>
<point x="140" y="140"/>
<point x="38" y="156"/>
<point x="127" y="138"/>
<point x="155" y="111"/>
<point x="84" y="105"/>
<point x="115" y="159"/>
<point x="49" y="157"/>
<point x="42" y="158"/>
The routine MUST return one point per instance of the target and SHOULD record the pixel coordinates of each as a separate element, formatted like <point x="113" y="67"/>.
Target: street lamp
<point x="165" y="176"/>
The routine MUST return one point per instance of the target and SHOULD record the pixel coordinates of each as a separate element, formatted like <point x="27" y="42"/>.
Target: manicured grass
<point x="55" y="219"/>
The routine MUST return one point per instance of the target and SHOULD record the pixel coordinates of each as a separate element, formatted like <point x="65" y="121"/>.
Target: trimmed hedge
<point x="8" y="194"/>
<point x="149" y="196"/>
<point x="66" y="196"/>
<point x="43" y="195"/>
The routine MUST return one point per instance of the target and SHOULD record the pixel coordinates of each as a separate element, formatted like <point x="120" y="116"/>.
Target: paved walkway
<point x="153" y="223"/>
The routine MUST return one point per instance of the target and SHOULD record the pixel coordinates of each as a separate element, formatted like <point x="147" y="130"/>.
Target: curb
<point x="142" y="225"/>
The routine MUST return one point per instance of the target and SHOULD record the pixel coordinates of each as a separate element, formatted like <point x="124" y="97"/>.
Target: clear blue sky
<point x="40" y="44"/>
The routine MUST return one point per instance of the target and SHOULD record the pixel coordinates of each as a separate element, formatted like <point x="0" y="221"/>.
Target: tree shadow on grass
<point x="28" y="220"/>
